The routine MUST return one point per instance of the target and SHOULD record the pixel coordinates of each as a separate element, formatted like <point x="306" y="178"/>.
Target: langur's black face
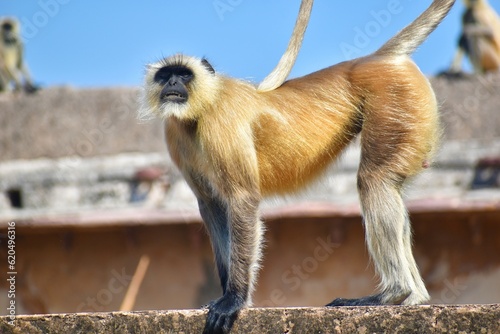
<point x="8" y="33"/>
<point x="7" y="26"/>
<point x="179" y="86"/>
<point x="174" y="79"/>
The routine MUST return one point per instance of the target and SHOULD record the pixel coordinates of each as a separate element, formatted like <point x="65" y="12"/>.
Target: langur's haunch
<point x="236" y="143"/>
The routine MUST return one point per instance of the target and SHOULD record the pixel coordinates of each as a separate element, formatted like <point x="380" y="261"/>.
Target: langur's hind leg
<point x="392" y="149"/>
<point x="388" y="237"/>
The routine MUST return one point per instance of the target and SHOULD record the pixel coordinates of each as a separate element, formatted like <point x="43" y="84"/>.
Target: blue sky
<point x="107" y="43"/>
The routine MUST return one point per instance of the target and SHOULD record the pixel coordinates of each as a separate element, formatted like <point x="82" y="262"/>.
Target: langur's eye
<point x="185" y="74"/>
<point x="164" y="74"/>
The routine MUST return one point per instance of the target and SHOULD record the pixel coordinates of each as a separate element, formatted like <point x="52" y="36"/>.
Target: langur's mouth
<point x="173" y="96"/>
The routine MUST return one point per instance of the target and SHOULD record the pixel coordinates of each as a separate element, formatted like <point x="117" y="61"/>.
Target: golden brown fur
<point x="480" y="38"/>
<point x="309" y="135"/>
<point x="236" y="144"/>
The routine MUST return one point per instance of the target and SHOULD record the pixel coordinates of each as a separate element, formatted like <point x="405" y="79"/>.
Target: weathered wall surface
<point x="62" y="121"/>
<point x="469" y="106"/>
<point x="394" y="320"/>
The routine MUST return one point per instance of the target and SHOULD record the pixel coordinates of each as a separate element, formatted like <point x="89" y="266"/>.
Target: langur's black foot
<point x="222" y="313"/>
<point x="452" y="74"/>
<point x="30" y="89"/>
<point x="363" y="301"/>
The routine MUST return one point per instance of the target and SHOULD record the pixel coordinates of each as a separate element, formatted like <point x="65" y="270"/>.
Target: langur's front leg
<point x="29" y="86"/>
<point x="213" y="212"/>
<point x="235" y="232"/>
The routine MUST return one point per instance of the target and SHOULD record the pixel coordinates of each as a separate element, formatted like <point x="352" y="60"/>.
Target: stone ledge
<point x="387" y="319"/>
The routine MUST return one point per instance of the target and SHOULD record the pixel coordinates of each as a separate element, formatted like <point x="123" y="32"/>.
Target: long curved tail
<point x="284" y="67"/>
<point x="410" y="38"/>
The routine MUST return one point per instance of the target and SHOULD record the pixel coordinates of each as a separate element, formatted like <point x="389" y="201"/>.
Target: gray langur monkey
<point x="236" y="142"/>
<point x="480" y="38"/>
<point x="13" y="69"/>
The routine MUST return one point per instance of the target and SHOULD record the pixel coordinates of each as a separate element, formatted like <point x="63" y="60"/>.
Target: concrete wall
<point x="62" y="121"/>
<point x="341" y="320"/>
